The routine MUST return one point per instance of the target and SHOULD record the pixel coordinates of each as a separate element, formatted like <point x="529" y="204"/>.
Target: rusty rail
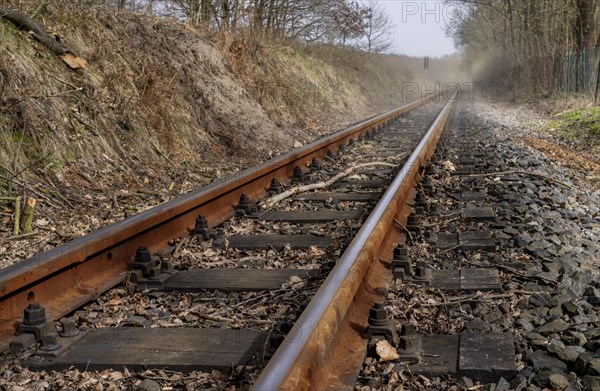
<point x="299" y="361"/>
<point x="68" y="276"/>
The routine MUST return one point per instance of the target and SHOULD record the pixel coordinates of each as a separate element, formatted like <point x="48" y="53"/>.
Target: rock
<point x="519" y="382"/>
<point x="535" y="337"/>
<point x="493" y="316"/>
<point x="582" y="363"/>
<point x="505" y="308"/>
<point x="594" y="367"/>
<point x="542" y="360"/>
<point x="580" y="319"/>
<point x="592" y="333"/>
<point x="522" y="240"/>
<point x="539" y="299"/>
<point x="522" y="304"/>
<point x="477" y="325"/>
<point x="554" y="326"/>
<point x="593" y="300"/>
<point x="505" y="323"/>
<point x="558" y="382"/>
<point x="542" y="377"/>
<point x="574" y="338"/>
<point x="555" y="312"/>
<point x="385" y="351"/>
<point x="502" y="385"/>
<point x="562" y="298"/>
<point x="466" y="382"/>
<point x="572" y="309"/>
<point x="148" y="385"/>
<point x="526" y="325"/>
<point x="548" y="276"/>
<point x="568" y="353"/>
<point x="591" y="383"/>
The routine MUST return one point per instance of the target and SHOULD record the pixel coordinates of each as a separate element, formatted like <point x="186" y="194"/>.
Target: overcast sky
<point x="420" y="27"/>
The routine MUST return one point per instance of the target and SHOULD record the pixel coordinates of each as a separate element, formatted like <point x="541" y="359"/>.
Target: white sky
<point x="420" y="27"/>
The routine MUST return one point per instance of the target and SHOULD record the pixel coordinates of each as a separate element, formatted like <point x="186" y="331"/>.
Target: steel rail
<point x="297" y="362"/>
<point x="70" y="275"/>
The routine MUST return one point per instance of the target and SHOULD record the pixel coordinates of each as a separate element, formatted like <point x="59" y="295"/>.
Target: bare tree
<point x="378" y="28"/>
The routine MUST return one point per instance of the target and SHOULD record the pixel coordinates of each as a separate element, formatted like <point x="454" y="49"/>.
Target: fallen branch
<point x="271" y="202"/>
<point x="24" y="22"/>
<point x="57" y="195"/>
<point x="520" y="173"/>
<point x="22" y="236"/>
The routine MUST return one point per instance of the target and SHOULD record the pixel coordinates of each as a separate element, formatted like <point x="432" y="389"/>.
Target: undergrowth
<point x="160" y="93"/>
<point x="578" y="123"/>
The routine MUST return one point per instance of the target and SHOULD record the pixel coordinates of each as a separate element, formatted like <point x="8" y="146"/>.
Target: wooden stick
<point x="271" y="202"/>
<point x="17" y="216"/>
<point x="28" y="214"/>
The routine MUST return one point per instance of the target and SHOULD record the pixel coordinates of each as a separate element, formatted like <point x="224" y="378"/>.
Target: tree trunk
<point x="24" y="22"/>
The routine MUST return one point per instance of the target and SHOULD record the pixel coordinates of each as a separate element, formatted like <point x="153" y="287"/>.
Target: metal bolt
<point x="413" y="220"/>
<point x="315" y="165"/>
<point x="34" y="315"/>
<point x="244" y="199"/>
<point x="49" y="342"/>
<point x="298" y="174"/>
<point x="401" y="252"/>
<point x="69" y="329"/>
<point x="143" y="255"/>
<point x="421" y="270"/>
<point x="377" y="312"/>
<point x="201" y="224"/>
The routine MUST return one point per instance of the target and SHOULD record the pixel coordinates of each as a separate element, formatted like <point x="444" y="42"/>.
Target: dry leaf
<point x="386" y="351"/>
<point x="449" y="166"/>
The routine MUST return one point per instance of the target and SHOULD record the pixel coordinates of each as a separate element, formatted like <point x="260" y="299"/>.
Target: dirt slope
<point x="160" y="109"/>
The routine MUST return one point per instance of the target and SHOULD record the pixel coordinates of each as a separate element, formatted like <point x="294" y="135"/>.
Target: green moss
<point x="577" y="123"/>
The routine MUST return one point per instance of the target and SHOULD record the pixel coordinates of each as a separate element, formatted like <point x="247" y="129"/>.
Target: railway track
<point x="143" y="251"/>
<point x="71" y="275"/>
<point x="409" y="262"/>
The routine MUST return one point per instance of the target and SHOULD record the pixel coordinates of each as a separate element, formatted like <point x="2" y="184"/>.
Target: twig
<point x="24" y="186"/>
<point x="520" y="173"/>
<point x="57" y="195"/>
<point x="150" y="192"/>
<point x="178" y="246"/>
<point x="405" y="229"/>
<point x="58" y="94"/>
<point x="22" y="236"/>
<point x="66" y="82"/>
<point x="319" y="185"/>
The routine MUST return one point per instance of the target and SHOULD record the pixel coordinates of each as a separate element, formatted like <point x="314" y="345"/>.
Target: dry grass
<point x="160" y="93"/>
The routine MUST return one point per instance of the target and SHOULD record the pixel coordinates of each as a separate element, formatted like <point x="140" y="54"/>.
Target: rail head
<point x="309" y="339"/>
